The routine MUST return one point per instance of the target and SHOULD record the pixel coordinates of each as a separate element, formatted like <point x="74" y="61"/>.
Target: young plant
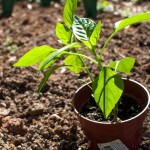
<point x="108" y="86"/>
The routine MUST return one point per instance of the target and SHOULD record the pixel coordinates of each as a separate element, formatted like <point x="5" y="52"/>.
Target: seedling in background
<point x="8" y="44"/>
<point x="108" y="86"/>
<point x="105" y="6"/>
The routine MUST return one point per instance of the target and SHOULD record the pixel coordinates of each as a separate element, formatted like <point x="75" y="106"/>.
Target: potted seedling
<point x="7" y="7"/>
<point x="111" y="109"/>
<point x="90" y="7"/>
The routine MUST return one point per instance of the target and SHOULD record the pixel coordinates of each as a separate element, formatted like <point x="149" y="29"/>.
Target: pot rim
<point x="125" y="121"/>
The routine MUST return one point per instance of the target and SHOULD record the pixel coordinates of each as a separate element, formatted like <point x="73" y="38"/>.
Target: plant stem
<point x="115" y="112"/>
<point x="72" y="38"/>
<point x="84" y="64"/>
<point x="105" y="45"/>
<point x="81" y="55"/>
<point x="96" y="56"/>
<point x="87" y="70"/>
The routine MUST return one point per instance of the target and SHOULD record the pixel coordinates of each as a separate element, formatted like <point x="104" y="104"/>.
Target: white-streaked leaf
<point x="83" y="28"/>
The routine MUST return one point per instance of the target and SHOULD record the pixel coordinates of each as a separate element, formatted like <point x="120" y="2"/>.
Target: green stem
<point x="115" y="113"/>
<point x="96" y="56"/>
<point x="86" y="68"/>
<point x="81" y="55"/>
<point x="72" y="39"/>
<point x="84" y="64"/>
<point x="105" y="45"/>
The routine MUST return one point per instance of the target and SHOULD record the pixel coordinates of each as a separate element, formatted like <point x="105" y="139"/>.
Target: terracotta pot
<point x="128" y="131"/>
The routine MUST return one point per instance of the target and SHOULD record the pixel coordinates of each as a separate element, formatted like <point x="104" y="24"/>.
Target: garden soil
<point x="47" y="121"/>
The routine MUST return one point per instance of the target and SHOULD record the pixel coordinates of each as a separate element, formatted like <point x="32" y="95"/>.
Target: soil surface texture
<point x="48" y="122"/>
<point x="126" y="109"/>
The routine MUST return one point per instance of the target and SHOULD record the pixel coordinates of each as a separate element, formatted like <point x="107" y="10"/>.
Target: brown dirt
<point x="48" y="122"/>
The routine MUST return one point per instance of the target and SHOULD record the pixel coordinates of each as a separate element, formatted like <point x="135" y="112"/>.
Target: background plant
<point x="108" y="86"/>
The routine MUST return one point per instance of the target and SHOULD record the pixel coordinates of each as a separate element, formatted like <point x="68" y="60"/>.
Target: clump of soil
<point x="13" y="125"/>
<point x="127" y="108"/>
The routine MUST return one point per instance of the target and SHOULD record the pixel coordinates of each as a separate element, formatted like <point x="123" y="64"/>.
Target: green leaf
<point x="69" y="10"/>
<point x="125" y="65"/>
<point x="63" y="33"/>
<point x="107" y="90"/>
<point x="73" y="63"/>
<point x="57" y="53"/>
<point x="34" y="56"/>
<point x="50" y="63"/>
<point x="96" y="34"/>
<point x="131" y="20"/>
<point x="45" y="78"/>
<point x="87" y="44"/>
<point x="124" y="23"/>
<point x="83" y="28"/>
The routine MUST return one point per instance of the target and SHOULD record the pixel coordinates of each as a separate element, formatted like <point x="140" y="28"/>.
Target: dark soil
<point x="48" y="122"/>
<point x="127" y="108"/>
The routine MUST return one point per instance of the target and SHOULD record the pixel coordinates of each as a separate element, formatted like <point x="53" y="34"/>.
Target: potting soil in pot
<point x="127" y="108"/>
